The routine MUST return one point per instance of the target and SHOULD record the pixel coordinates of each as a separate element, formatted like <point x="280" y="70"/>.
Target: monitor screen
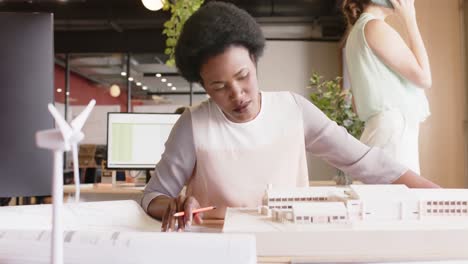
<point x="136" y="140"/>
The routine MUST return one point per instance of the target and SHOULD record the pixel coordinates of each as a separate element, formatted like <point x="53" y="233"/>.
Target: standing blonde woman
<point x="388" y="77"/>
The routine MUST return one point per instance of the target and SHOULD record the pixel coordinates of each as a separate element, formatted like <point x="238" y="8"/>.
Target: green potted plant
<point x="336" y="103"/>
<point x="181" y="10"/>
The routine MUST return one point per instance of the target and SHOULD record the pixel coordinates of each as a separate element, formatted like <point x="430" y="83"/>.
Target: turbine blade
<point x="79" y="121"/>
<point x="63" y="126"/>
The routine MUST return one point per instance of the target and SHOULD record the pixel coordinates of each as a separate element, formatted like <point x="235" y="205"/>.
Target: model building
<point x="370" y="203"/>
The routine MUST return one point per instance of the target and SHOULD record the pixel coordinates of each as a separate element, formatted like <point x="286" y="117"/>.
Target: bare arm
<point x="413" y="180"/>
<point x="411" y="62"/>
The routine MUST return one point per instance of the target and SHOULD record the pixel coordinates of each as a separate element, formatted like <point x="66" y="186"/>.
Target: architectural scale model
<point x="315" y="205"/>
<point x="357" y="222"/>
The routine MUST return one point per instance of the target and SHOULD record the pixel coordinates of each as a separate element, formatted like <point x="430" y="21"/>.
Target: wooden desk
<point x="104" y="188"/>
<point x="328" y="183"/>
<point x="104" y="192"/>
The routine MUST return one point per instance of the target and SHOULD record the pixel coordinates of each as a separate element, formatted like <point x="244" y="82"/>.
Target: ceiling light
<point x="144" y="87"/>
<point x="169" y="84"/>
<point x="114" y="90"/>
<point x="123" y="73"/>
<point x="173" y="88"/>
<point x="130" y="78"/>
<point x="59" y="90"/>
<point x="138" y="83"/>
<point x="67" y="93"/>
<point x="153" y="5"/>
<point x="163" y="80"/>
<point x="158" y="75"/>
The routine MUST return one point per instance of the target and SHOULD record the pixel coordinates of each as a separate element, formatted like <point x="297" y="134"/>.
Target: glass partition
<point x="155" y="87"/>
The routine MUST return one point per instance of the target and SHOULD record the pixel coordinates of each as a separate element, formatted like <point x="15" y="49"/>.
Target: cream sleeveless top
<point x="376" y="87"/>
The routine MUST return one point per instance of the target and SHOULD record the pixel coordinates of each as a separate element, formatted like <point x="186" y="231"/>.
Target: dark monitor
<point x="26" y="82"/>
<point x="136" y="140"/>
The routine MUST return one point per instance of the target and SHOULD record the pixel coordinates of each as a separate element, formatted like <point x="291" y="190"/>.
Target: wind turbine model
<point x="65" y="138"/>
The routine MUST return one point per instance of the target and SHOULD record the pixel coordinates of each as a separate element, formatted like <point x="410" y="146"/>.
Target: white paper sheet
<point x="33" y="247"/>
<point x="126" y="215"/>
<point x="112" y="232"/>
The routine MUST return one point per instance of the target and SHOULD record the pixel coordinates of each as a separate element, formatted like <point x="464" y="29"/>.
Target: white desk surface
<point x="142" y="223"/>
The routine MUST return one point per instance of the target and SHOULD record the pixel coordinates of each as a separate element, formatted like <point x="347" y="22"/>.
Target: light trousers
<point x="396" y="134"/>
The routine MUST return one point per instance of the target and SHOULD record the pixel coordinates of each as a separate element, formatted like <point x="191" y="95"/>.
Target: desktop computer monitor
<point x="136" y="140"/>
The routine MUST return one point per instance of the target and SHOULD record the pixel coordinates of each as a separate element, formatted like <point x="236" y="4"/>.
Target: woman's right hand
<point x="404" y="9"/>
<point x="184" y="204"/>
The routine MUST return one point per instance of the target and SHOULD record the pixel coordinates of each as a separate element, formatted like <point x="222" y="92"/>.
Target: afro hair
<point x="210" y="31"/>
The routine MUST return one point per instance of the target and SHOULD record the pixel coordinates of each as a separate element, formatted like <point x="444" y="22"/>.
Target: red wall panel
<point x="83" y="90"/>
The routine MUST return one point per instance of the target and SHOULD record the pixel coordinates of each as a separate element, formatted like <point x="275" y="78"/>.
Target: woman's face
<point x="230" y="79"/>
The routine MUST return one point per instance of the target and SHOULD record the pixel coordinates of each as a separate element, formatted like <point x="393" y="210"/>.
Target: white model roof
<point x="306" y="192"/>
<point x="319" y="209"/>
<point x="441" y="194"/>
<point x="388" y="192"/>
